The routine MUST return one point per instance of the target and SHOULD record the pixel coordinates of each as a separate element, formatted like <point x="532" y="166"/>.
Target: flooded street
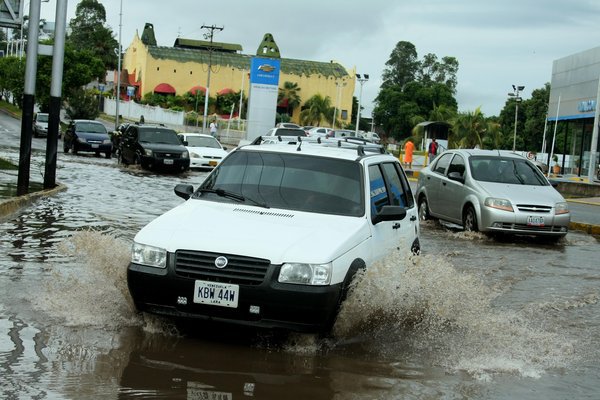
<point x="471" y="318"/>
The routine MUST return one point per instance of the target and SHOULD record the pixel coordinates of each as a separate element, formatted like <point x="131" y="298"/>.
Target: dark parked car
<point x="87" y="136"/>
<point x="153" y="146"/>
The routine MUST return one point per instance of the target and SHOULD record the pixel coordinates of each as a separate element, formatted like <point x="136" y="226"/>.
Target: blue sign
<point x="265" y="71"/>
<point x="586" y="106"/>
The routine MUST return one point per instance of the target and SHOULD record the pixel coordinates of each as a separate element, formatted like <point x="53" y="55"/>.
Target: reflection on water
<point x="470" y="318"/>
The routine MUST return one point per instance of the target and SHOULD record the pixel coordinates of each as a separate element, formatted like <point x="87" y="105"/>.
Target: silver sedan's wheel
<point x="423" y="210"/>
<point x="470" y="220"/>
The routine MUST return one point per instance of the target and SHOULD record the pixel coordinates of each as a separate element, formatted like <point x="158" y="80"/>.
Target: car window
<point x="457" y="165"/>
<point x="90" y="127"/>
<point x="378" y="191"/>
<point x="442" y="163"/>
<point x="397" y="190"/>
<point x="165" y="136"/>
<point x="42" y="118"/>
<point x="290" y="181"/>
<point x="202" y="141"/>
<point x="289" y="132"/>
<point x="506" y="170"/>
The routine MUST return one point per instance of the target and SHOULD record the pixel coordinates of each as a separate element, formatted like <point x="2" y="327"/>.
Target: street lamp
<point x="515" y="95"/>
<point x="361" y="80"/>
<point x="339" y="86"/>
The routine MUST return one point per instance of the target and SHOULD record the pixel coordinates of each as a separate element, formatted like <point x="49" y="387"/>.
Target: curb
<point x="587" y="228"/>
<point x="12" y="205"/>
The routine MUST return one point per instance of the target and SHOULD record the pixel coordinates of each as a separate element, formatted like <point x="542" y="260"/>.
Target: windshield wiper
<point x="231" y="195"/>
<point x="517" y="174"/>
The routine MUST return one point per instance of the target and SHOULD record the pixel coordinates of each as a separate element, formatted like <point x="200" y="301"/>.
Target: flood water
<point x="471" y="318"/>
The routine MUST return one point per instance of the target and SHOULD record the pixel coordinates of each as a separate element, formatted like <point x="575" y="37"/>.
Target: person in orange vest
<point x="409" y="148"/>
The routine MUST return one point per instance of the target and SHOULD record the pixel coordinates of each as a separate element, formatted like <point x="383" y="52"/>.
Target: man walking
<point x="433" y="149"/>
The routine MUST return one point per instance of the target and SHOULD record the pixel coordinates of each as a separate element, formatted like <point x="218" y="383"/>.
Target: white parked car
<point x="275" y="234"/>
<point x="319" y="131"/>
<point x="205" y="151"/>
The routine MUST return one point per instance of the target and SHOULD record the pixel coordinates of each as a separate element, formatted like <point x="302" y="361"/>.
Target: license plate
<point x="198" y="394"/>
<point x="212" y="163"/>
<point x="535" y="221"/>
<point x="216" y="294"/>
<point x="95" y="146"/>
<point x="168" y="161"/>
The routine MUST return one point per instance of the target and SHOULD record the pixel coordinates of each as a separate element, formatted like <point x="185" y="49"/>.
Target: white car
<point x="205" y="151"/>
<point x="319" y="131"/>
<point x="275" y="234"/>
<point x="40" y="125"/>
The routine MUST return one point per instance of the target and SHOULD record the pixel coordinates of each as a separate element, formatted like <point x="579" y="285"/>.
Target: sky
<point x="498" y="43"/>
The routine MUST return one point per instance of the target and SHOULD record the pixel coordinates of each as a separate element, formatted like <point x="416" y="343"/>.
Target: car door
<point x="452" y="191"/>
<point x="433" y="182"/>
<point x="386" y="188"/>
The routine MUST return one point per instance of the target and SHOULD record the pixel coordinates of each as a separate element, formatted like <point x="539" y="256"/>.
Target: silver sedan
<point x="491" y="191"/>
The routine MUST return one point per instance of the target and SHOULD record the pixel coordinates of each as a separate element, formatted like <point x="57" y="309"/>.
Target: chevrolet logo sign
<point x="266" y="68"/>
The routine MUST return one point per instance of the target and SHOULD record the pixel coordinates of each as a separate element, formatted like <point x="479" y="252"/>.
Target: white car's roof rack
<point x="349" y="142"/>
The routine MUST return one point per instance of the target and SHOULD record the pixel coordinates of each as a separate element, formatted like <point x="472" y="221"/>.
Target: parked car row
<point x="149" y="145"/>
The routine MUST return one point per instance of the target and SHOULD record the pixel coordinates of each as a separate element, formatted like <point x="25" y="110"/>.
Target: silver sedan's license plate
<point x="217" y="294"/>
<point x="168" y="161"/>
<point x="535" y="221"/>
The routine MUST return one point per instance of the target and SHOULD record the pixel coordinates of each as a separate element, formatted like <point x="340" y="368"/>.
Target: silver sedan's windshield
<point x="506" y="170"/>
<point x="289" y="181"/>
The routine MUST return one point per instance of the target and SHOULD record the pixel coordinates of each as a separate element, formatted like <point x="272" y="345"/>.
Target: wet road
<point x="472" y="318"/>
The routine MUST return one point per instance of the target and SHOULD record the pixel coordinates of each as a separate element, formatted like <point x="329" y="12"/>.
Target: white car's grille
<point x="239" y="270"/>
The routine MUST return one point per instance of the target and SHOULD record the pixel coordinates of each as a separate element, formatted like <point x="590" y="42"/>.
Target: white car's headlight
<point x="194" y="155"/>
<point x="561" y="208"/>
<point x="305" y="274"/>
<point x="148" y="152"/>
<point x="500" y="204"/>
<point x="148" y="255"/>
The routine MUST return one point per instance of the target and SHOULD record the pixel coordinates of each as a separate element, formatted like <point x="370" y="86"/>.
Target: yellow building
<point x="184" y="68"/>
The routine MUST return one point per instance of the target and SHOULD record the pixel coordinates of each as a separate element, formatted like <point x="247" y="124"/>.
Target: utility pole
<point x="208" y="35"/>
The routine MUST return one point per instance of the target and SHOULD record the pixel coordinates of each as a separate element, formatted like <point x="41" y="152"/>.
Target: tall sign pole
<point x="594" y="143"/>
<point x="58" y="57"/>
<point x="28" y="98"/>
<point x="209" y="35"/>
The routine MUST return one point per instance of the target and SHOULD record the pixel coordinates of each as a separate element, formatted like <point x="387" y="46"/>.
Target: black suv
<point x="153" y="146"/>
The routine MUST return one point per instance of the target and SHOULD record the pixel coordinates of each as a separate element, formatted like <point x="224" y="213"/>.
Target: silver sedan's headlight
<point x="148" y="255"/>
<point x="500" y="204"/>
<point x="305" y="274"/>
<point x="561" y="208"/>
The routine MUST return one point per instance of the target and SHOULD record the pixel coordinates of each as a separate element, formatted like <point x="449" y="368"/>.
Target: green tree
<point x="80" y="68"/>
<point x="89" y="32"/>
<point x="469" y="129"/>
<point x="12" y="79"/>
<point x="82" y="104"/>
<point x="402" y="66"/>
<point x="315" y="110"/>
<point x="535" y="118"/>
<point x="289" y="94"/>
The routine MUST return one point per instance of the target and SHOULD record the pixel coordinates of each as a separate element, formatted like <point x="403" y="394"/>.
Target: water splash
<point x="437" y="312"/>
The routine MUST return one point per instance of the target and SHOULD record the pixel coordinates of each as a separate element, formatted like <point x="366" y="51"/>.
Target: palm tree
<point x="316" y="109"/>
<point x="289" y="95"/>
<point x="468" y="129"/>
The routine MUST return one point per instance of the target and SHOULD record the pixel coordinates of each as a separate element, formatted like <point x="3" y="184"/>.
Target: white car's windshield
<point x="201" y="141"/>
<point x="506" y="170"/>
<point x="290" y="181"/>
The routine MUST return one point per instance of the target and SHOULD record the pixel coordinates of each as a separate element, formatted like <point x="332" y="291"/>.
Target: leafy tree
<point x="224" y="102"/>
<point x="468" y="130"/>
<point x="89" y="32"/>
<point x="402" y="66"/>
<point x="315" y="110"/>
<point x="80" y="68"/>
<point x="289" y="93"/>
<point x="82" y="104"/>
<point x="12" y="79"/>
<point x="411" y="89"/>
<point x="535" y="118"/>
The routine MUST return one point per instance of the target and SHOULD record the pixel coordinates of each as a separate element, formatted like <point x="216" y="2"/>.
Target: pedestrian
<point x="142" y="119"/>
<point x="433" y="149"/>
<point x="213" y="129"/>
<point x="409" y="147"/>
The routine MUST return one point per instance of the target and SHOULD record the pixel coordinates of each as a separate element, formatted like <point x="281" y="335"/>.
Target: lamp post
<point x="339" y="86"/>
<point x="119" y="50"/>
<point x="515" y="95"/>
<point x="209" y="35"/>
<point x="361" y="80"/>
